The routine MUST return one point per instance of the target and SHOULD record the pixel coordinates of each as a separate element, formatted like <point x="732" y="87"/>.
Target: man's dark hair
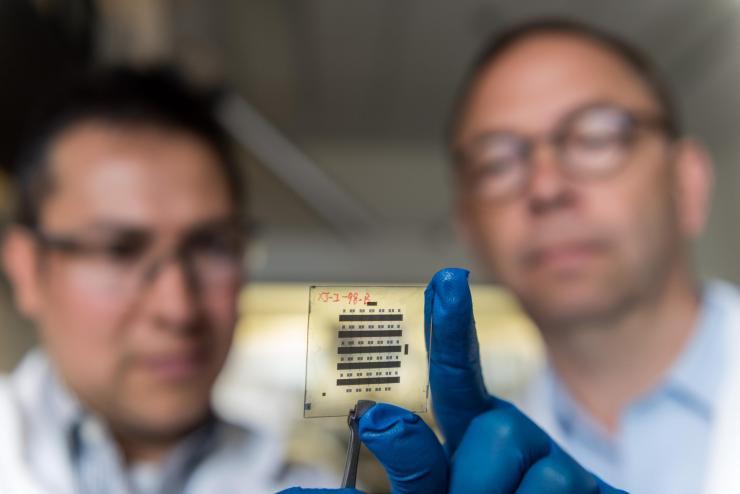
<point x="120" y="96"/>
<point x="640" y="64"/>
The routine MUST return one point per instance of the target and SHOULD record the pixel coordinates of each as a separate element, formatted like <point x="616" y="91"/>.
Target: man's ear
<point x="695" y="183"/>
<point x="21" y="265"/>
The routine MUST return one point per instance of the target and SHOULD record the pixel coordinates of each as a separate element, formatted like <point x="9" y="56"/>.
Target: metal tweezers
<point x="349" y="479"/>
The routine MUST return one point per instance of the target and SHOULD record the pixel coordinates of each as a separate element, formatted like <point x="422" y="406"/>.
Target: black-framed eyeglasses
<point x="591" y="142"/>
<point x="126" y="261"/>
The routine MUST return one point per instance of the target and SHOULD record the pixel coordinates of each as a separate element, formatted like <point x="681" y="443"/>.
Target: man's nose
<point x="547" y="188"/>
<point x="172" y="296"/>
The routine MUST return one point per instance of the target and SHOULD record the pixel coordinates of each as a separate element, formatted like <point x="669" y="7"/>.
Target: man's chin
<point x="564" y="306"/>
<point x="166" y="418"/>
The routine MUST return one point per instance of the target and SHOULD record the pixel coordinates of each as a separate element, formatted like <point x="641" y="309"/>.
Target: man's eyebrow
<point x="122" y="227"/>
<point x="117" y="227"/>
<point x="499" y="129"/>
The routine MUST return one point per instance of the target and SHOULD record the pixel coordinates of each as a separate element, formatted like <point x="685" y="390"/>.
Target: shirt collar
<point x="695" y="376"/>
<point x="693" y="380"/>
<point x="43" y="391"/>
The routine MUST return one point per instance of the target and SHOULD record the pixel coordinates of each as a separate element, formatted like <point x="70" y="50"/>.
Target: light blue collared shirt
<point x="662" y="442"/>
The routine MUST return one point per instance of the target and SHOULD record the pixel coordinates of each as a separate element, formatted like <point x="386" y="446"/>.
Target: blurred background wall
<point x="338" y="108"/>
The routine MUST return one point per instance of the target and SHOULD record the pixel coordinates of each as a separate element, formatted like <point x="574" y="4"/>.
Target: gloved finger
<point x="301" y="490"/>
<point x="497" y="450"/>
<point x="458" y="391"/>
<point x="407" y="448"/>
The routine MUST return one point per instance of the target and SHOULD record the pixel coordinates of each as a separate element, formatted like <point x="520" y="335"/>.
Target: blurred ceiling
<point x="340" y="105"/>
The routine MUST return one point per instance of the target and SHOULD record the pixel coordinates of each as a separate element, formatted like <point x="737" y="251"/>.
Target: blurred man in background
<point x="578" y="190"/>
<point x="126" y="253"/>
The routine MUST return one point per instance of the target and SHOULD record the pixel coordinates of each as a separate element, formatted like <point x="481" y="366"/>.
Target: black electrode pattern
<point x="370" y="348"/>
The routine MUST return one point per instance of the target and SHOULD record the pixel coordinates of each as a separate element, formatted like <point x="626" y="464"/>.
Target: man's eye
<point x="124" y="251"/>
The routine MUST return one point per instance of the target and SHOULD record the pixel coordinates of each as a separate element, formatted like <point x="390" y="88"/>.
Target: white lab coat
<point x="15" y="477"/>
<point x="723" y="466"/>
<point x="247" y="463"/>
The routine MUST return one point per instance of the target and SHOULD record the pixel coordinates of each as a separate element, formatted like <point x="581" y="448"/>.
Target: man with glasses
<point x="126" y="252"/>
<point x="579" y="192"/>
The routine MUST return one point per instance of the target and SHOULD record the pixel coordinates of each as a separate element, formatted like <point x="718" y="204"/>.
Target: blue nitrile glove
<point x="406" y="447"/>
<point x="493" y="447"/>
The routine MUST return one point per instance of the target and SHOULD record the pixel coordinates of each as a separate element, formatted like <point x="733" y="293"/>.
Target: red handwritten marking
<point x="352" y="298"/>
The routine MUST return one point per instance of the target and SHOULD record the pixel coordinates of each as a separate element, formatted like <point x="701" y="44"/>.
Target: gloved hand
<point x="493" y="447"/>
<point x="406" y="447"/>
